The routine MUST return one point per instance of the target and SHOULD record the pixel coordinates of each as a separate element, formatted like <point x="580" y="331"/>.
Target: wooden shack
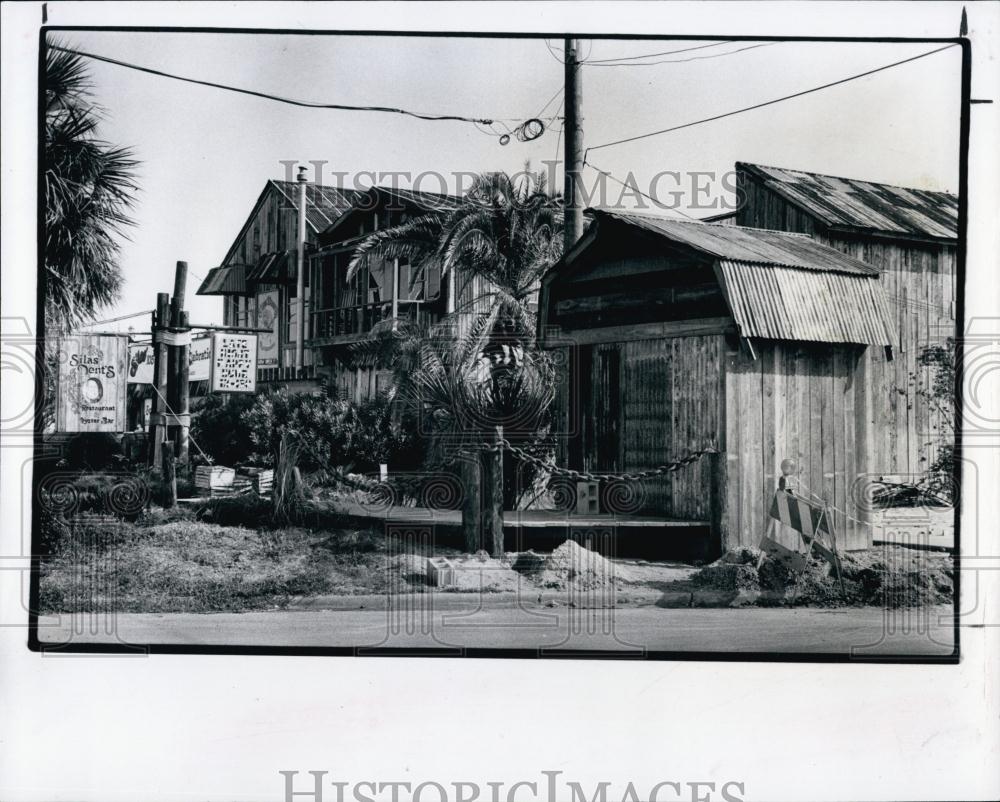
<point x="681" y="336"/>
<point x="257" y="277"/>
<point x="910" y="235"/>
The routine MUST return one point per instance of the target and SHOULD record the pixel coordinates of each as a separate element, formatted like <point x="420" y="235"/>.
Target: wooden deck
<point x="534" y="519"/>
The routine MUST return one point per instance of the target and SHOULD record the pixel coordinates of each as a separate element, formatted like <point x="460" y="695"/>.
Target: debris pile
<point x="892" y="576"/>
<point x="570" y="565"/>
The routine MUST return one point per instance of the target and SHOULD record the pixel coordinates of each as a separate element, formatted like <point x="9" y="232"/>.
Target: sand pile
<point x="893" y="576"/>
<point x="570" y="565"/>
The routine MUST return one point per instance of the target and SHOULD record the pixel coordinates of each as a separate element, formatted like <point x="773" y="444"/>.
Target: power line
<point x="765" y="103"/>
<point x="654" y="55"/>
<point x="679" y="60"/>
<point x="277" y="98"/>
<point x="117" y="319"/>
<point x="634" y="188"/>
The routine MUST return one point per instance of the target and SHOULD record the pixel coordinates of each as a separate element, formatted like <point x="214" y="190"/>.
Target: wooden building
<point x="678" y="336"/>
<point x="390" y="292"/>
<point x="910" y="236"/>
<point x="257" y="277"/>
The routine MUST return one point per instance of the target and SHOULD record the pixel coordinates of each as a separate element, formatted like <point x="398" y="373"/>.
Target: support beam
<point x="300" y="279"/>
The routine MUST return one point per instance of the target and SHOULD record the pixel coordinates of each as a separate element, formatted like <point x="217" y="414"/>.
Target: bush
<point x="220" y="429"/>
<point x="330" y="432"/>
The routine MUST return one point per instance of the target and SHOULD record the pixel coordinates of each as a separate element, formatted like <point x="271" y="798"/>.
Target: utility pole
<point x="573" y="152"/>
<point x="300" y="280"/>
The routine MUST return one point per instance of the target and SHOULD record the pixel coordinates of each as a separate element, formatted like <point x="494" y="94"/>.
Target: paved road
<point x="864" y="632"/>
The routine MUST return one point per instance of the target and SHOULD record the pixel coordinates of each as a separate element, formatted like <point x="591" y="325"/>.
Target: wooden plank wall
<point x="797" y="401"/>
<point x="669" y="406"/>
<point x="920" y="281"/>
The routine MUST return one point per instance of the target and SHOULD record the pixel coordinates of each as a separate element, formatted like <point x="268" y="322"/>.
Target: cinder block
<point x="440" y="572"/>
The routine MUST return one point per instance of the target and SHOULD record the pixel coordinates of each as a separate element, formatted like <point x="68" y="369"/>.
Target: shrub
<point x="330" y="432"/>
<point x="220" y="429"/>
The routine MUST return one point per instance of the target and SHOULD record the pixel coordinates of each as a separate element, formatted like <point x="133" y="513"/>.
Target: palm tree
<point x="492" y="249"/>
<point x="89" y="189"/>
<point x="478" y="367"/>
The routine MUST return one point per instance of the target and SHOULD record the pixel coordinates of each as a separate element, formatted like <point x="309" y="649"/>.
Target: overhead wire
<point x="634" y="188"/>
<point x="276" y="98"/>
<point x="654" y="55"/>
<point x="766" y="102"/>
<point x="679" y="60"/>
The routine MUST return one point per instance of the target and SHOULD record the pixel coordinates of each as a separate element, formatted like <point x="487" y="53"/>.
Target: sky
<point x="206" y="153"/>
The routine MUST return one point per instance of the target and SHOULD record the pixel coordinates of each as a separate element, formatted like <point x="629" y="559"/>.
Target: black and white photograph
<point x="554" y="343"/>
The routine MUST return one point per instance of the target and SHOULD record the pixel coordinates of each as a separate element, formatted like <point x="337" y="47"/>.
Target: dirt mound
<point x="893" y="576"/>
<point x="571" y="565"/>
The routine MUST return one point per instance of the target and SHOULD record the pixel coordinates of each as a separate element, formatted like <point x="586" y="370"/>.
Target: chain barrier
<point x="586" y="476"/>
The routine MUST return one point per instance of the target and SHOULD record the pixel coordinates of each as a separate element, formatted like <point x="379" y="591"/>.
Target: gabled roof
<point x="368" y="200"/>
<point x="776" y="285"/>
<point x="324" y="205"/>
<point x="737" y="243"/>
<point x="853" y="205"/>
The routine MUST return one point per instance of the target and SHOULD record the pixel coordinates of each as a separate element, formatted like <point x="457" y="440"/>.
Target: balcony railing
<point x="361" y="318"/>
<point x="347" y="320"/>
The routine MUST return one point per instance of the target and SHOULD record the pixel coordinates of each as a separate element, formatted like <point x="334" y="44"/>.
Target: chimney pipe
<point x="300" y="279"/>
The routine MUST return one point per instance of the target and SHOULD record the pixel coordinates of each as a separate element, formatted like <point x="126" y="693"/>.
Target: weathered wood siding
<point x="800" y="401"/>
<point x="633" y="406"/>
<point x="919" y="279"/>
<point x="670" y="407"/>
<point x="273" y="227"/>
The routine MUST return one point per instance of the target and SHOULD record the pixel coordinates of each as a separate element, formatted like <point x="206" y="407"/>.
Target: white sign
<point x="142" y="360"/>
<point x="234" y="363"/>
<point x="90" y="384"/>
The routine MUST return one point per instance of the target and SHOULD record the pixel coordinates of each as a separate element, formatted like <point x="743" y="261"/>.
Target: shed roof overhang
<point x="776" y="285"/>
<point x="225" y="280"/>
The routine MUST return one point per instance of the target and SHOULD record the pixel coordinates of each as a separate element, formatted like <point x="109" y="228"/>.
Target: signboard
<point x="91" y="383"/>
<point x="234" y="363"/>
<point x="142" y="360"/>
<point x="267" y="318"/>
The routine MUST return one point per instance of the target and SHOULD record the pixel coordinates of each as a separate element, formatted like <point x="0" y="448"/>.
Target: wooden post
<point x="183" y="395"/>
<point x="169" y="470"/>
<point x="178" y="367"/>
<point x="158" y="430"/>
<point x="719" y="536"/>
<point x="471" y="504"/>
<point x="573" y="147"/>
<point x="492" y="497"/>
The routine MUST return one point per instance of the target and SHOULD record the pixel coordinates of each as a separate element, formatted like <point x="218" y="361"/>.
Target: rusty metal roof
<point x="849" y="204"/>
<point x="740" y="244"/>
<point x="273" y="268"/>
<point x="226" y="280"/>
<point x="782" y="303"/>
<point x="777" y="285"/>
<point x="324" y="205"/>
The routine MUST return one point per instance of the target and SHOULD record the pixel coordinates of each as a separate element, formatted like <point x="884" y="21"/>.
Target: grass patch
<point x="171" y="562"/>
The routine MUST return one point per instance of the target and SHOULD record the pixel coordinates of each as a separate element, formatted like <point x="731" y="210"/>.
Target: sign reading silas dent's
<point x="234" y="363"/>
<point x="90" y="383"/>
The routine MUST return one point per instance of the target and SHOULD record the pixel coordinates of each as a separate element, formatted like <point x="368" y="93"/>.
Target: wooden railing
<point x="361" y="318"/>
<point x="347" y="320"/>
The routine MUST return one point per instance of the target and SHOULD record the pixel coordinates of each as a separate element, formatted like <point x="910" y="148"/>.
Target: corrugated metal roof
<point x="785" y="303"/>
<point x="878" y="208"/>
<point x="273" y="268"/>
<point x="227" y="280"/>
<point x="324" y="205"/>
<point x="742" y="244"/>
